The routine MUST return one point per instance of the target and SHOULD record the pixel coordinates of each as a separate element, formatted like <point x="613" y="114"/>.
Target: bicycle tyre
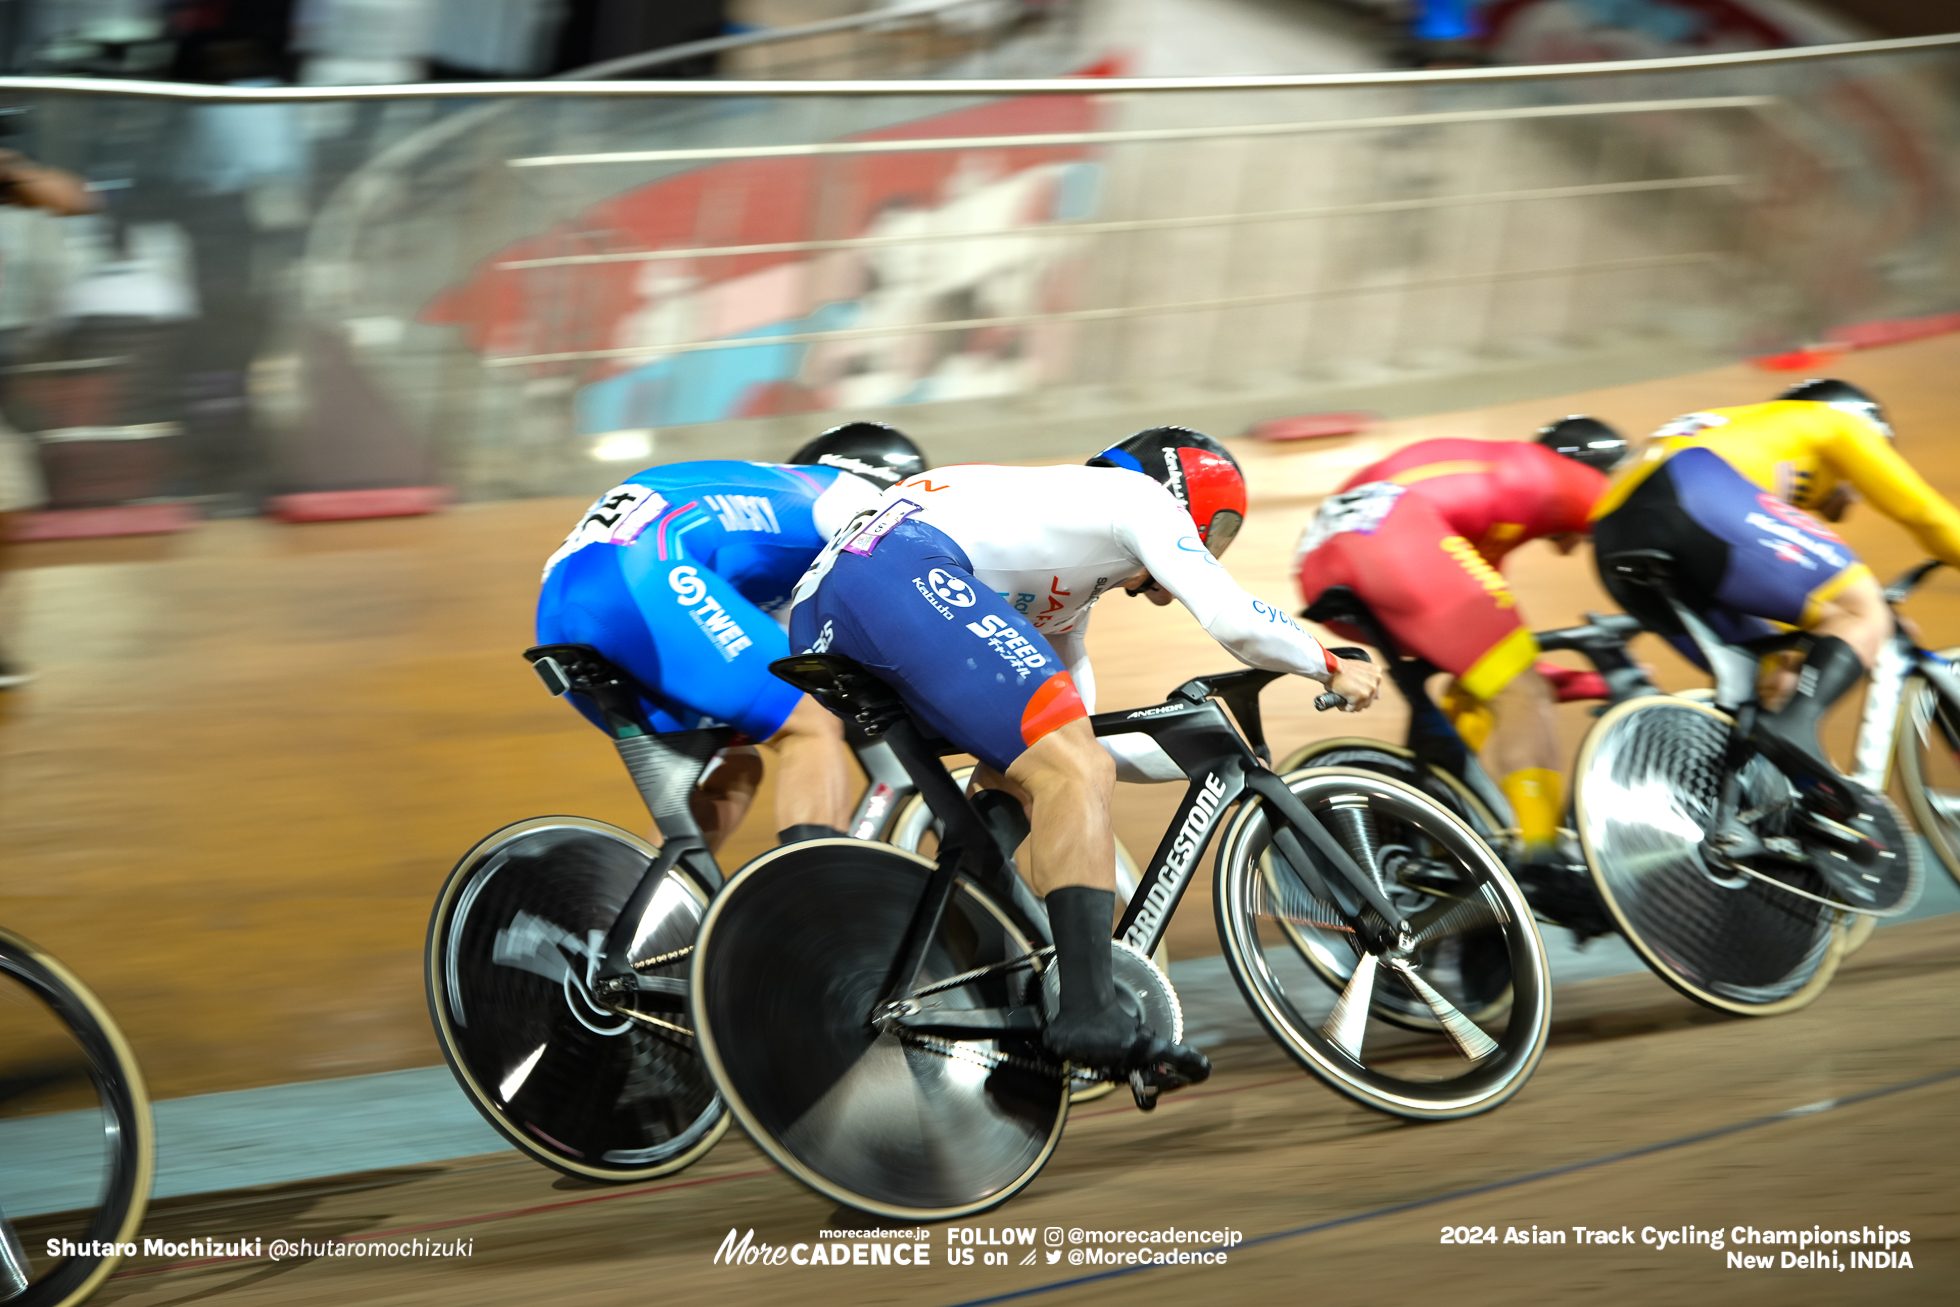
<point x="1322" y="949"/>
<point x="1734" y="945"/>
<point x="615" y="1101"/>
<point x="791" y="957"/>
<point x="1927" y="733"/>
<point x="47" y="991"/>
<point x="1243" y="897"/>
<point x="1397" y="762"/>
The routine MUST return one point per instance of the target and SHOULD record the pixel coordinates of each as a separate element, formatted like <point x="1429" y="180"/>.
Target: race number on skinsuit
<point x="1360" y="510"/>
<point x="615" y="518"/>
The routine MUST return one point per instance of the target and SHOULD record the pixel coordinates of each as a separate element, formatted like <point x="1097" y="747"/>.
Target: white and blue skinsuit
<point x="682" y="576"/>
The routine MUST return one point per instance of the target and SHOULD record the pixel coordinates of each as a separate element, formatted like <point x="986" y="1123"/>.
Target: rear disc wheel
<point x="1645" y="792"/>
<point x="794" y="953"/>
<point x="573" y="1081"/>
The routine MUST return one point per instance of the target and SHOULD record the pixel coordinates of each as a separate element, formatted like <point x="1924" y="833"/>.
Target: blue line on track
<point x="1809" y="1109"/>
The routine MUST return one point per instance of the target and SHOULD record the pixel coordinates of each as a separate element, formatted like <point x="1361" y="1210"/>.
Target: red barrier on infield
<point x="351" y="505"/>
<point x="93" y="523"/>
<point x="1312" y="426"/>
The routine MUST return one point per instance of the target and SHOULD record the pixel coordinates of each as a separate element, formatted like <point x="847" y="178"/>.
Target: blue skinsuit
<point x="675" y="574"/>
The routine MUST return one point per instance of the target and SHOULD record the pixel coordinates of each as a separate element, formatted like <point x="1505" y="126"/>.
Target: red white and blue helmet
<point x="1197" y="469"/>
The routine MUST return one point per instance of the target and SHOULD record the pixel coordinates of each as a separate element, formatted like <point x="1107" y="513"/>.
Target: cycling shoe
<point x="1116" y="1040"/>
<point x="1563" y="892"/>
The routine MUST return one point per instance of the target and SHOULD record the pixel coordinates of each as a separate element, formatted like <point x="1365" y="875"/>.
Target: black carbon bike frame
<point x="981" y="833"/>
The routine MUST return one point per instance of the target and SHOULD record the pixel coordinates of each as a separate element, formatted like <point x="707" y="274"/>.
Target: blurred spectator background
<point x="367" y="295"/>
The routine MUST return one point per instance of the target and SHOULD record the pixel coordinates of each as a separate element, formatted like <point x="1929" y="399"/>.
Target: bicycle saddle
<point x="1642" y="566"/>
<point x="845" y="687"/>
<point x="581" y="669"/>
<point x="1339" y="603"/>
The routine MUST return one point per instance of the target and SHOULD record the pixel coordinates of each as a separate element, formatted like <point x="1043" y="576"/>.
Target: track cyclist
<point x="969" y="589"/>
<point x="1735" y="496"/>
<point x="682" y="575"/>
<point x="1421" y="537"/>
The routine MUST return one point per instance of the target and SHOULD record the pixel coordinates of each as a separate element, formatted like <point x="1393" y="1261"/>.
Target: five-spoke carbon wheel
<point x="1475" y="946"/>
<point x="1481" y="970"/>
<point x="796" y="952"/>
<point x="607" y="1088"/>
<point x="77" y="1147"/>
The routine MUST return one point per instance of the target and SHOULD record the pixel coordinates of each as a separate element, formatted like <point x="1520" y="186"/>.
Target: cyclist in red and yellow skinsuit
<point x="1730" y="494"/>
<point x="1420" y="537"/>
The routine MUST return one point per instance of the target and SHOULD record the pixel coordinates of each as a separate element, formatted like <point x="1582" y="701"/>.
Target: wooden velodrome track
<point x="254" y="751"/>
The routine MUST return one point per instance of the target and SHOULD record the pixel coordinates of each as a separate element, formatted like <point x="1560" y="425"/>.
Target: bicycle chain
<point x="964" y="1051"/>
<point x="981" y="973"/>
<point x="662" y="959"/>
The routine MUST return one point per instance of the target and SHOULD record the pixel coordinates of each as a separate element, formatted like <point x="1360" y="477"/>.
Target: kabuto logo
<point x="950" y="588"/>
<point x="1184" y="853"/>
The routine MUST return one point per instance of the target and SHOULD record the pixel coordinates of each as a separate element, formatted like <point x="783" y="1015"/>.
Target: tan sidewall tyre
<point x="142" y="1124"/>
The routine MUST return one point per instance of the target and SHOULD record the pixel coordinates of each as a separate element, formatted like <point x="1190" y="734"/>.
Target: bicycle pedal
<point x="1144" y="1092"/>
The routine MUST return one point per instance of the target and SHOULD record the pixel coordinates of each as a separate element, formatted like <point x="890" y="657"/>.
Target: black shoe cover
<point x="1099" y="1027"/>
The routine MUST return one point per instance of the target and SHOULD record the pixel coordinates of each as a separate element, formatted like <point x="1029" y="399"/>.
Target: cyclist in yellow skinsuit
<point x="1731" y="495"/>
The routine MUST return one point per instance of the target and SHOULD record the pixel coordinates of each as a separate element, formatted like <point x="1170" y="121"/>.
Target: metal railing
<point x="626" y="272"/>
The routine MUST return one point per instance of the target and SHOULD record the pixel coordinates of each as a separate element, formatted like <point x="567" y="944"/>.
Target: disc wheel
<point x="795" y="952"/>
<point x="1479" y="967"/>
<point x="1645" y="791"/>
<point x="1470" y="923"/>
<point x="574" y="1082"/>
<point x="77" y="1146"/>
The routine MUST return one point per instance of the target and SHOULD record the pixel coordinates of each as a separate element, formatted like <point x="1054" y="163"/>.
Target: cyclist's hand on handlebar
<point x="1357" y="682"/>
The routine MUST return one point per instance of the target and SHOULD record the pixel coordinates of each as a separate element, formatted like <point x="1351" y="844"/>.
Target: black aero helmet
<point x="882" y="455"/>
<point x="1199" y="471"/>
<point x="1585" y="440"/>
<point x="1841" y="395"/>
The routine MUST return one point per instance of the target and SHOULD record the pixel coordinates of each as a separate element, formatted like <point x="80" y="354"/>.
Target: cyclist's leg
<point x="972" y="671"/>
<point x="1749" y="553"/>
<point x="1446" y="603"/>
<point x="812" y="791"/>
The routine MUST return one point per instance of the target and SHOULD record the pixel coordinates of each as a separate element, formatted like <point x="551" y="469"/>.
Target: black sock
<point x="808" y="830"/>
<point x="1080" y="918"/>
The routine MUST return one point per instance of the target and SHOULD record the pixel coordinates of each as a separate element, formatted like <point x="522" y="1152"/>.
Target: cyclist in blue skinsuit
<point x="682" y="576"/>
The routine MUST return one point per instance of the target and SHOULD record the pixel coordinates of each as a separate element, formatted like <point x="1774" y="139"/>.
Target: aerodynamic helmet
<point x="1197" y="469"/>
<point x="880" y="454"/>
<point x="1585" y="440"/>
<point x="1844" y="396"/>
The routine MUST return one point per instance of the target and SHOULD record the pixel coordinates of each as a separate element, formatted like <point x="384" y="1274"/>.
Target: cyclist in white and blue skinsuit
<point x="682" y="576"/>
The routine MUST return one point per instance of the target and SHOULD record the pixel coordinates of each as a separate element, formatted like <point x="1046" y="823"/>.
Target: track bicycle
<point x="874" y="1018"/>
<point x="77" y="1144"/>
<point x="556" y="959"/>
<point x="1732" y="877"/>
